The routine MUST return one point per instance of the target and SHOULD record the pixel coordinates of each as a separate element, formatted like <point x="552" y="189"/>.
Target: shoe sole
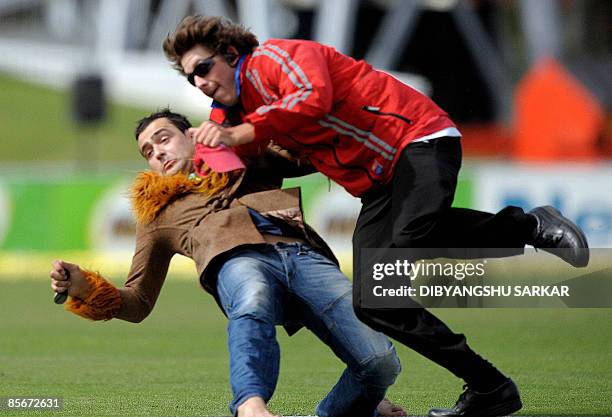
<point x="583" y="243"/>
<point x="504" y="409"/>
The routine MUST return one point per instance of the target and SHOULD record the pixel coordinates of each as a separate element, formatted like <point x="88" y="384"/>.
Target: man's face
<point x="166" y="149"/>
<point x="219" y="83"/>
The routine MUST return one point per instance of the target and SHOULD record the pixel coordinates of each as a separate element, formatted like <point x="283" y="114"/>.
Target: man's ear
<point x="232" y="56"/>
<point x="189" y="134"/>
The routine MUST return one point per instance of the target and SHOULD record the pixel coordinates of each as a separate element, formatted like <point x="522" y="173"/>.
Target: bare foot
<point x="254" y="407"/>
<point x="387" y="409"/>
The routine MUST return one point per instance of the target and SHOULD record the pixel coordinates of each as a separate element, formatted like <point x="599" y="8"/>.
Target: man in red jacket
<point x="385" y="143"/>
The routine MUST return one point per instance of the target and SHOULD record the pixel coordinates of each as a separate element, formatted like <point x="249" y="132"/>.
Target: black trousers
<point x="414" y="211"/>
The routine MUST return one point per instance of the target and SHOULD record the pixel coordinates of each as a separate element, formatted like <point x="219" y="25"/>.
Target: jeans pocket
<point x="314" y="254"/>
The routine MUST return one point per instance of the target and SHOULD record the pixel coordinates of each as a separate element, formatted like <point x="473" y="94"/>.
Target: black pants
<point x="414" y="211"/>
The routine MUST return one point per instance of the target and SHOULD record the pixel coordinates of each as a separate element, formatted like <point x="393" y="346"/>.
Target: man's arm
<point x="92" y="296"/>
<point x="213" y="134"/>
<point x="285" y="163"/>
<point x="95" y="298"/>
<point x="147" y="275"/>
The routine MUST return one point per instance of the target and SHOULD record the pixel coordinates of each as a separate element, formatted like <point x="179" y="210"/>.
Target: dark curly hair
<point x="214" y="32"/>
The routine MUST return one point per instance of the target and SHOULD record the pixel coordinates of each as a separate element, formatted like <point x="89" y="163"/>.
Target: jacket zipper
<point x="376" y="110"/>
<point x="332" y="149"/>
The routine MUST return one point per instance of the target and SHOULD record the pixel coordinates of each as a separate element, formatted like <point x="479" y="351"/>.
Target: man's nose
<point x="200" y="82"/>
<point x="159" y="153"/>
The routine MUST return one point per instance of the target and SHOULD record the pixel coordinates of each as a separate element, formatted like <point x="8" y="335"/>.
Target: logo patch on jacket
<point x="377" y="168"/>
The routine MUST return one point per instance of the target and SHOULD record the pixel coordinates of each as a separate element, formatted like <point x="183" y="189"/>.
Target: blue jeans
<point x="257" y="286"/>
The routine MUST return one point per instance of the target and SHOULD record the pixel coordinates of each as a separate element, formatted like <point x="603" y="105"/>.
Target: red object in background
<point x="606" y="138"/>
<point x="557" y="118"/>
<point x="485" y="140"/>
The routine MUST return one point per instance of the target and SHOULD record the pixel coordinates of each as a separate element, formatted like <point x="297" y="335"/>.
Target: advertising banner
<point x="84" y="213"/>
<point x="583" y="193"/>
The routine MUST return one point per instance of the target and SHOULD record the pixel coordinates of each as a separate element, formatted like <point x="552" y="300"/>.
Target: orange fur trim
<point x="212" y="182"/>
<point x="152" y="192"/>
<point x="102" y="303"/>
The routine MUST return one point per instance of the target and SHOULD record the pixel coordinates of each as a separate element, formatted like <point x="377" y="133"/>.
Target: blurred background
<point x="528" y="82"/>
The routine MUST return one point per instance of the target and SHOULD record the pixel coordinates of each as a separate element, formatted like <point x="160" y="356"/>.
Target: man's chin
<point x="226" y="101"/>
<point x="176" y="169"/>
<point x="170" y="172"/>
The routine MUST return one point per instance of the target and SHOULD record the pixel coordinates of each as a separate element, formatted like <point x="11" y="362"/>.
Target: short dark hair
<point x="214" y="32"/>
<point x="176" y="119"/>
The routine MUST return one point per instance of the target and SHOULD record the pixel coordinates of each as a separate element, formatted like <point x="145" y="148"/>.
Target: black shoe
<point x="560" y="236"/>
<point x="502" y="401"/>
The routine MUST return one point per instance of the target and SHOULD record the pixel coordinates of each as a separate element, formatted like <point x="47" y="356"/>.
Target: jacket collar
<point x="152" y="192"/>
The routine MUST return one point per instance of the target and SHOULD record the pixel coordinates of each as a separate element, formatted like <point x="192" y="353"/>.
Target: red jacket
<point x="350" y="120"/>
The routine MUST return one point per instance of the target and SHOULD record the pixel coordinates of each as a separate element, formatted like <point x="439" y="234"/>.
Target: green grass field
<point x="175" y="362"/>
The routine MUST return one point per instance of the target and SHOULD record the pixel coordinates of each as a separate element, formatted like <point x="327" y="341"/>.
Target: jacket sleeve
<point x="285" y="164"/>
<point x="146" y="277"/>
<point x="102" y="302"/>
<point x="136" y="299"/>
<point x="293" y="78"/>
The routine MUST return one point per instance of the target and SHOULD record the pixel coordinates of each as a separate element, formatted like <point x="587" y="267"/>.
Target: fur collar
<point x="151" y="192"/>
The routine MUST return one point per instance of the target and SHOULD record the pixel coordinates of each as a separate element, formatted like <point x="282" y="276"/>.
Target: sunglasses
<point x="201" y="69"/>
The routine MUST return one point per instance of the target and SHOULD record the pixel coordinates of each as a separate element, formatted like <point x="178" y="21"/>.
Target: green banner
<point x="81" y="213"/>
<point x="51" y="214"/>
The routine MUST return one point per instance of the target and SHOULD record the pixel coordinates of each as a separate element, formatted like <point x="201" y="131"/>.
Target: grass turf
<point x="175" y="362"/>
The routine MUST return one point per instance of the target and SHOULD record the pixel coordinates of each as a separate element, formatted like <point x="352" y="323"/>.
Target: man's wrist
<point x="242" y="134"/>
